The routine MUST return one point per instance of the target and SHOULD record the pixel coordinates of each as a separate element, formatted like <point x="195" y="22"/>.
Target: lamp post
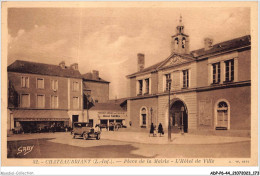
<point x="151" y="110"/>
<point x="182" y="129"/>
<point x="88" y="96"/>
<point x="169" y="118"/>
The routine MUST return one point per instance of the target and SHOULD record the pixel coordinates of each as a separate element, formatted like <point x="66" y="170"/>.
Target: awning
<point x="40" y="115"/>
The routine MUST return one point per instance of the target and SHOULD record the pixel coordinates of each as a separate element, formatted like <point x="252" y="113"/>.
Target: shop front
<point x="112" y="120"/>
<point x="31" y="121"/>
<point x="108" y="119"/>
<point x="106" y="115"/>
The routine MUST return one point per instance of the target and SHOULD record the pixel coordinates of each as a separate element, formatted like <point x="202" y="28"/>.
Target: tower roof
<point x="180" y="26"/>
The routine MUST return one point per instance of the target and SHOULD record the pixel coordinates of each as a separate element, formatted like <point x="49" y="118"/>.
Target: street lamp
<point x="169" y="120"/>
<point x="182" y="129"/>
<point x="151" y="109"/>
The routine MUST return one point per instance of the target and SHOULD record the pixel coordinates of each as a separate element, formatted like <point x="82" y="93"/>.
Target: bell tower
<point x="180" y="41"/>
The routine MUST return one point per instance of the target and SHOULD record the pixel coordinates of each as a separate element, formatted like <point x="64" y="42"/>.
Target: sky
<point x="108" y="39"/>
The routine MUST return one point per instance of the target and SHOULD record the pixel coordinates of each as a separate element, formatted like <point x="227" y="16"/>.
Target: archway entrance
<point x="179" y="117"/>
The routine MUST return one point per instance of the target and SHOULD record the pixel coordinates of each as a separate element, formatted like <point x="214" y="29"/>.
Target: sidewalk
<point x="140" y="137"/>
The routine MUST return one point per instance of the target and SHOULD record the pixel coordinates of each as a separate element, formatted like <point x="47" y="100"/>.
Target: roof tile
<point x="42" y="69"/>
<point x="217" y="48"/>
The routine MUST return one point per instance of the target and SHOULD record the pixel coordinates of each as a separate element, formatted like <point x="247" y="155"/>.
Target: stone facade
<point x="51" y="97"/>
<point x="210" y="88"/>
<point x="99" y="91"/>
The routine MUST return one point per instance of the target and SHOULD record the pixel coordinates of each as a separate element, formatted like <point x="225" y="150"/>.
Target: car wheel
<point x="85" y="136"/>
<point x="98" y="136"/>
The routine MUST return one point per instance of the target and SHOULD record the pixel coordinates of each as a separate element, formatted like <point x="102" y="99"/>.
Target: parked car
<point x="85" y="130"/>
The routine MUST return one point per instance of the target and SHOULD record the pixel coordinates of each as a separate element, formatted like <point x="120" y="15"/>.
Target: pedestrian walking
<point x="160" y="129"/>
<point x="152" y="130"/>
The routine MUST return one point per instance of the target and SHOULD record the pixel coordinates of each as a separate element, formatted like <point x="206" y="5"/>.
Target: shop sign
<point x="115" y="115"/>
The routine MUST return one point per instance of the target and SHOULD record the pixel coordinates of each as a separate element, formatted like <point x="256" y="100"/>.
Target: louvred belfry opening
<point x="180" y="41"/>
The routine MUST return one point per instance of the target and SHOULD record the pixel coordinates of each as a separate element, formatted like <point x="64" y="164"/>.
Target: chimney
<point x="208" y="43"/>
<point x="140" y="61"/>
<point x="62" y="64"/>
<point x="74" y="66"/>
<point x="95" y="74"/>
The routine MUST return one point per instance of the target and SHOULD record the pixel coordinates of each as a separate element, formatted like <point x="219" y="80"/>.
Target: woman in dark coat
<point x="160" y="129"/>
<point x="152" y="129"/>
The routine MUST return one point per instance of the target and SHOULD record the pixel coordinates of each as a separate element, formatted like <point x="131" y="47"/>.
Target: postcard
<point x="129" y="84"/>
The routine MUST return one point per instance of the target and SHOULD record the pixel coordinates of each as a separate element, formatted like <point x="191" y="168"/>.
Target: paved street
<point x="61" y="145"/>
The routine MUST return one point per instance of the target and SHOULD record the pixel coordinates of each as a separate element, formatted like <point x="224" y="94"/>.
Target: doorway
<point x="222" y="116"/>
<point x="75" y="118"/>
<point x="179" y="117"/>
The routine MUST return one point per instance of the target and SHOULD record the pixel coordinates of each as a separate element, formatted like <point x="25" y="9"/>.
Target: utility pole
<point x="88" y="96"/>
<point x="169" y="118"/>
<point x="151" y="109"/>
<point x="182" y="125"/>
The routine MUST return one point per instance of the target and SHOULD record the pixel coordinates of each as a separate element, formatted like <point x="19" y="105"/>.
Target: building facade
<point x="206" y="89"/>
<point x="41" y="95"/>
<point x="98" y="109"/>
<point x="107" y="113"/>
<point x="95" y="87"/>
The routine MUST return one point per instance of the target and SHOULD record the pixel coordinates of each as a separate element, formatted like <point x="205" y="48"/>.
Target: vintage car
<point x="85" y="130"/>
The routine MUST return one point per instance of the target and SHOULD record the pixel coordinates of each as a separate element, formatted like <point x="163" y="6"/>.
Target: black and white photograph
<point x="121" y="83"/>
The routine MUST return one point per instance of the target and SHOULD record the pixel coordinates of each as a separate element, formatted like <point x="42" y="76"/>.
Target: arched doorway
<point x="179" y="117"/>
<point x="143" y="117"/>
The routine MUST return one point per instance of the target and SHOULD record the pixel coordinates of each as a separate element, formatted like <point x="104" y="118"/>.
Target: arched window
<point x="222" y="115"/>
<point x="143" y="117"/>
<point x="176" y="41"/>
<point x="222" y="106"/>
<point x="183" y="42"/>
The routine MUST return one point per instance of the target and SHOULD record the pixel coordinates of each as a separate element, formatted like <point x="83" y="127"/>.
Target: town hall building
<point x="208" y="89"/>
